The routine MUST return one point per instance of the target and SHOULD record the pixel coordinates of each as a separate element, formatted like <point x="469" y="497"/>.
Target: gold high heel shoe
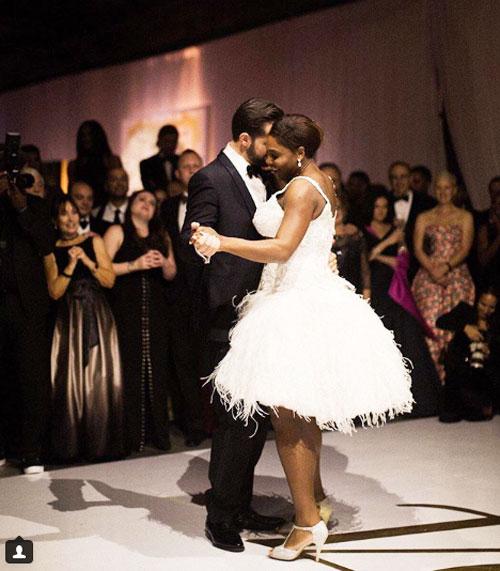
<point x="319" y="536"/>
<point x="325" y="509"/>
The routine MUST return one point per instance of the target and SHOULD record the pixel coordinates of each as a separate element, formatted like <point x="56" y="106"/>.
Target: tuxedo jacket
<point x="29" y="236"/>
<point x="178" y="290"/>
<point x="219" y="198"/>
<point x="153" y="173"/>
<point x="97" y="224"/>
<point x="421" y="202"/>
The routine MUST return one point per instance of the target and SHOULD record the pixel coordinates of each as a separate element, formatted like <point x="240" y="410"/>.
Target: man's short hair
<point x="168" y="130"/>
<point x="252" y="115"/>
<point x="423" y="171"/>
<point x="398" y="164"/>
<point x="493" y="181"/>
<point x="190" y="152"/>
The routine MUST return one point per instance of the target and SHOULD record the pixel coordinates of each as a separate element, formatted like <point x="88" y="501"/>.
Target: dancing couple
<point x="291" y="356"/>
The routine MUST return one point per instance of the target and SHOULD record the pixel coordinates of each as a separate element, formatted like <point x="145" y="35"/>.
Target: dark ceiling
<point x="43" y="39"/>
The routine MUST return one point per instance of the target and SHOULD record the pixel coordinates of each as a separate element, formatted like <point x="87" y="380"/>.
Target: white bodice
<point x="308" y="265"/>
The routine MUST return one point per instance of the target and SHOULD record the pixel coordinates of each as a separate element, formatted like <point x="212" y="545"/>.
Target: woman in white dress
<point x="305" y="345"/>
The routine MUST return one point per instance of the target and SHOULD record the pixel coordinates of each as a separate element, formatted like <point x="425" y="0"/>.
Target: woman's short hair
<point x="294" y="131"/>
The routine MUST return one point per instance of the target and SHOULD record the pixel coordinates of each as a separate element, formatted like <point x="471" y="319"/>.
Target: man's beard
<point x="254" y="160"/>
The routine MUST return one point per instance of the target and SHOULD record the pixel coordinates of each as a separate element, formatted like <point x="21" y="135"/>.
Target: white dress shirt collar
<point x="255" y="186"/>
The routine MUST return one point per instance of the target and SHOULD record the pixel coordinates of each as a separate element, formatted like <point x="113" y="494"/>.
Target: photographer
<point x="471" y="361"/>
<point x="25" y="237"/>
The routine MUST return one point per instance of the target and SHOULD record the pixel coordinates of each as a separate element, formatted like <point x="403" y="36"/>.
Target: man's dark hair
<point x="423" y="171"/>
<point x="189" y="152"/>
<point x="30" y="149"/>
<point x="330" y="165"/>
<point x="398" y="164"/>
<point x="252" y="115"/>
<point x="361" y="175"/>
<point x="168" y="130"/>
<point x="493" y="181"/>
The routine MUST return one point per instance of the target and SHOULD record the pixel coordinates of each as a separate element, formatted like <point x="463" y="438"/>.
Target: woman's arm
<point x="418" y="243"/>
<point x="103" y="269"/>
<point x="467" y="240"/>
<point x="365" y="270"/>
<point x="113" y="239"/>
<point x="169" y="267"/>
<point x="387" y="260"/>
<point x="300" y="205"/>
<point x="57" y="283"/>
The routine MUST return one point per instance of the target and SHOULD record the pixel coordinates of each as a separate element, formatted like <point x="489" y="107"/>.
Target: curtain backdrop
<point x="373" y="73"/>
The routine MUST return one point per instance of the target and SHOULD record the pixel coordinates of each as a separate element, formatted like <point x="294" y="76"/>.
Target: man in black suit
<point x="184" y="378"/>
<point x="26" y="236"/>
<point x="83" y="196"/>
<point x="224" y="196"/>
<point x="407" y="205"/>
<point x="159" y="170"/>
<point x="113" y="212"/>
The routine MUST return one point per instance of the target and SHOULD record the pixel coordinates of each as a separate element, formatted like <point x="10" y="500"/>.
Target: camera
<point x="478" y="354"/>
<point x="13" y="163"/>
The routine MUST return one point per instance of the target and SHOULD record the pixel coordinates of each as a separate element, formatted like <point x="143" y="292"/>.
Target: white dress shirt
<point x="181" y="215"/>
<point x="255" y="185"/>
<point x="402" y="207"/>
<point x="109" y="212"/>
<point x="85" y="230"/>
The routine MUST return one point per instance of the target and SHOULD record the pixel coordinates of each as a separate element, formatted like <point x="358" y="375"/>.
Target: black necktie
<point x="253" y="171"/>
<point x="84" y="222"/>
<point x="406" y="198"/>
<point x="117" y="219"/>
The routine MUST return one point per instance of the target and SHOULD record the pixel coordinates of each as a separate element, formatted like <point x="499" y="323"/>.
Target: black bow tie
<point x="84" y="222"/>
<point x="406" y="198"/>
<point x="253" y="171"/>
<point x="183" y="198"/>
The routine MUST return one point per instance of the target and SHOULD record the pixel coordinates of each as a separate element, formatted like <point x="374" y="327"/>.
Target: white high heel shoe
<point x="319" y="536"/>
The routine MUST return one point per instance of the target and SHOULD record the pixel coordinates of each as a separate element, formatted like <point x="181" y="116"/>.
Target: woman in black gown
<point x="349" y="245"/>
<point x="385" y="244"/>
<point x="87" y="398"/>
<point x="142" y="259"/>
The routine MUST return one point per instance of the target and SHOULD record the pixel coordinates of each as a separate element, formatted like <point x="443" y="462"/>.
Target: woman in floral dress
<point x="443" y="239"/>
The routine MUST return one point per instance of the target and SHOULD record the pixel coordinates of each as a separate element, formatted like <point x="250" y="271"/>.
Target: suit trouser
<point x="184" y="379"/>
<point x="24" y="378"/>
<point x="235" y="452"/>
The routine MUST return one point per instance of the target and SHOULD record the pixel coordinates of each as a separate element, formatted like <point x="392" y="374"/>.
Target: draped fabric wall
<point x="374" y="73"/>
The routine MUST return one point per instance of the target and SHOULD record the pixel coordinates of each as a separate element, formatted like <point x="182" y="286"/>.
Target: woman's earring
<point x="299" y="163"/>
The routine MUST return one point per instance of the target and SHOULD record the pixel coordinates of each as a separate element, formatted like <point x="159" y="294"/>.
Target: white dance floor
<point x="414" y="495"/>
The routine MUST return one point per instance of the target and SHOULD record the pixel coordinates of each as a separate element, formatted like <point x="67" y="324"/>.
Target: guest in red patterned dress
<point x="442" y="240"/>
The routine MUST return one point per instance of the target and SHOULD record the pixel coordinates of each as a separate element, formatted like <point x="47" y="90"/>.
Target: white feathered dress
<point x="307" y="342"/>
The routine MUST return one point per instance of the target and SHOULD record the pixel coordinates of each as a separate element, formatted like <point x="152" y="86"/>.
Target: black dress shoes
<point x="257" y="522"/>
<point x="194" y="438"/>
<point x="224" y="536"/>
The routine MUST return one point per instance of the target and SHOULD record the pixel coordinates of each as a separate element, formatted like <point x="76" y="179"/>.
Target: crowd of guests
<point x="104" y="368"/>
<point x="430" y="266"/>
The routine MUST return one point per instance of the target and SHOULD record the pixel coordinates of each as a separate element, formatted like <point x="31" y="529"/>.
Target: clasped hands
<point x="205" y="240"/>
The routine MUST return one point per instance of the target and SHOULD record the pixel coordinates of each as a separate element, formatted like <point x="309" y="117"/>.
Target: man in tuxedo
<point x="224" y="195"/>
<point x="407" y="206"/>
<point x="184" y="378"/>
<point x="26" y="236"/>
<point x="113" y="212"/>
<point x="159" y="170"/>
<point x="83" y="196"/>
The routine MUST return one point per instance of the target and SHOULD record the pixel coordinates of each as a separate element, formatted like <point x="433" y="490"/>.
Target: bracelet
<point x="69" y="276"/>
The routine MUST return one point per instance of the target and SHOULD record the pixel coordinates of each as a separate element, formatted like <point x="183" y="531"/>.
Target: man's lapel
<point x="238" y="181"/>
